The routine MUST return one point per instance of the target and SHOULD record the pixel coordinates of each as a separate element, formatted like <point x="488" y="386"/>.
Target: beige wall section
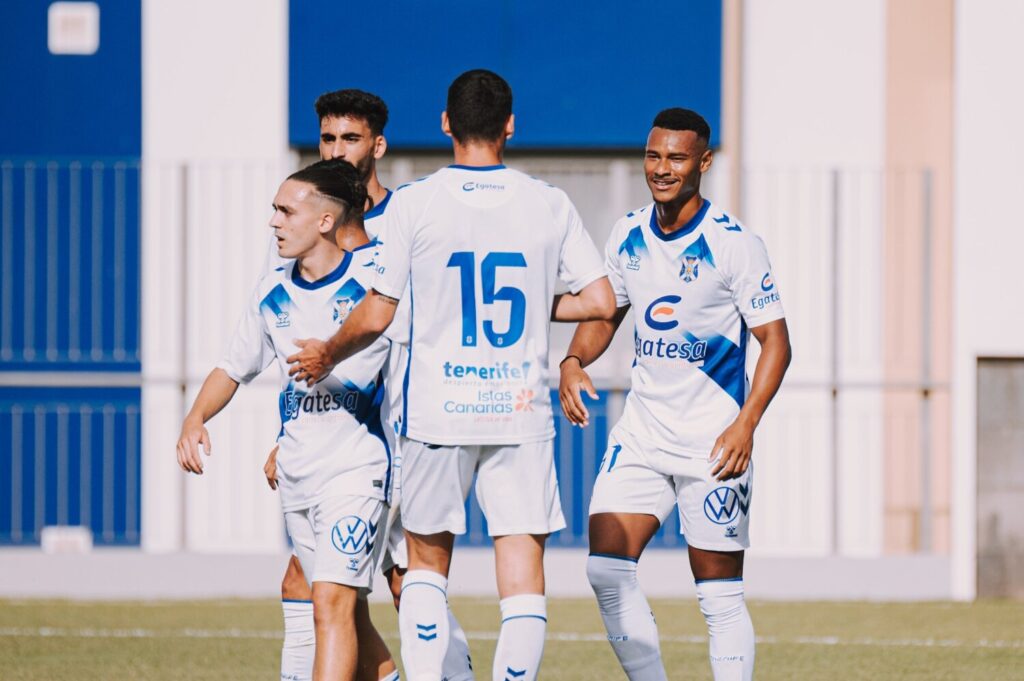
<point x="919" y="138"/>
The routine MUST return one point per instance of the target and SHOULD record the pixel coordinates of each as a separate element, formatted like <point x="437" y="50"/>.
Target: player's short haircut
<point x="683" y="119"/>
<point x="354" y="104"/>
<point x="479" y="105"/>
<point x="336" y="180"/>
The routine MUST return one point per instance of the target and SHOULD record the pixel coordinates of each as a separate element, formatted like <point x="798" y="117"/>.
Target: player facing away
<point x="699" y="283"/>
<point x="333" y="465"/>
<point x="476" y="248"/>
<point x="352" y="126"/>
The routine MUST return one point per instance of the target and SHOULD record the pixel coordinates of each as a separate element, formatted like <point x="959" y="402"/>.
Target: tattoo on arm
<point x="387" y="299"/>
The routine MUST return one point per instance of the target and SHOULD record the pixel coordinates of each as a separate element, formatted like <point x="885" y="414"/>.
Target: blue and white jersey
<point x="480" y="250"/>
<point x="695" y="293"/>
<point x="331" y="440"/>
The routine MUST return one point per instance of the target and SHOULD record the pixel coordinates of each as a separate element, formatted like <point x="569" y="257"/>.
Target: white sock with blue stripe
<point x="393" y="676"/>
<point x="423" y="624"/>
<point x="524" y="621"/>
<point x="729" y="628"/>
<point x="299" y="646"/>
<point x="457" y="664"/>
<point x="627" y="616"/>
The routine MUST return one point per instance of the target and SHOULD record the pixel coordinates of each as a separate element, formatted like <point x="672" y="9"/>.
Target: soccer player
<point x="476" y="248"/>
<point x="352" y="126"/>
<point x="333" y="465"/>
<point x="699" y="283"/>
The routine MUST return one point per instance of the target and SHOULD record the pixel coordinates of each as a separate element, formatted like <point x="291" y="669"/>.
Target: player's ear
<point x="510" y="126"/>
<point x="380" y="147"/>
<point x="705" y="160"/>
<point x="326" y="223"/>
<point x="446" y="127"/>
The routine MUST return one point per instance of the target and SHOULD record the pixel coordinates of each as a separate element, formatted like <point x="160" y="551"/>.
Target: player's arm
<point x="735" y="445"/>
<point x="594" y="301"/>
<point x="588" y="343"/>
<point x="217" y="391"/>
<point x="368" y="320"/>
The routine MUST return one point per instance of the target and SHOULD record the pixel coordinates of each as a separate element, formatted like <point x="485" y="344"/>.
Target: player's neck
<point x="674" y="214"/>
<point x="375" y="190"/>
<point x="351" y="237"/>
<point x="478" y="153"/>
<point x="319" y="261"/>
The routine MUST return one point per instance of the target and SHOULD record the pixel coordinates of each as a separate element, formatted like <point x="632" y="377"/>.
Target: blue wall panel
<point x="69" y="265"/>
<point x="70" y="105"/>
<point x="69" y="456"/>
<point x="587" y="75"/>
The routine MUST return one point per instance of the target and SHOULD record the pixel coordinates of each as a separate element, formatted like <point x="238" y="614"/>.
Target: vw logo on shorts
<point x="722" y="505"/>
<point x="350" y="535"/>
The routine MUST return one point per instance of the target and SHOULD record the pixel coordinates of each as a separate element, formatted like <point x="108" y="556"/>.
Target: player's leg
<point x="375" y="661"/>
<point x="435" y="483"/>
<point x="334" y="612"/>
<point x="630" y="500"/>
<point x="518" y="492"/>
<point x="299" y="646"/>
<point x="457" y="665"/>
<point x="348" y="548"/>
<point x="714" y="516"/>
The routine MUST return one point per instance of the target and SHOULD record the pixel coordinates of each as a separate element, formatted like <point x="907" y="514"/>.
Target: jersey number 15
<point x="466" y="262"/>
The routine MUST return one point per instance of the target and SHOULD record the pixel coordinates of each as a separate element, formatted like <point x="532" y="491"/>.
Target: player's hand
<point x="193" y="437"/>
<point x="312" y="362"/>
<point x="732" y="450"/>
<point x="573" y="382"/>
<point x="270" y="468"/>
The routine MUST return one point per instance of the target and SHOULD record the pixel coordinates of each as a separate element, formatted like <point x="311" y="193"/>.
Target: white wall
<point x="813" y="102"/>
<point x="214" y="146"/>
<point x="988" y="233"/>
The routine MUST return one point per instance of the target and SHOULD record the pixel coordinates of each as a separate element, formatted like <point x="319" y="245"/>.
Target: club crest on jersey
<point x="693" y="257"/>
<point x="342" y="308"/>
<point x="283" y="320"/>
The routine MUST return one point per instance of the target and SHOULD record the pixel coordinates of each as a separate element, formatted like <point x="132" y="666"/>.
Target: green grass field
<point x="159" y="641"/>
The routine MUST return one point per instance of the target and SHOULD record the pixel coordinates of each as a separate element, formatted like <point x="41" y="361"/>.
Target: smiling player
<point x="700" y="284"/>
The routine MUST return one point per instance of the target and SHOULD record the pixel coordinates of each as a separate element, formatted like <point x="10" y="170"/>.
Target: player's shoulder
<point x="632" y="228"/>
<point x="724" y="230"/>
<point x="417" y="188"/>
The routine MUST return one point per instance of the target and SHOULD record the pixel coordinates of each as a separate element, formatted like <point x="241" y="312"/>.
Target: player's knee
<point x="394" y="577"/>
<point x="610" y="572"/>
<point x="293" y="585"/>
<point x="334" y="605"/>
<point x="721" y="600"/>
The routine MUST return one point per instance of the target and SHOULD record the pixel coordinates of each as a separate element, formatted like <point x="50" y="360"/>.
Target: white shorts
<point x="635" y="477"/>
<point x="516" y="487"/>
<point x="337" y="540"/>
<point x="395" y="553"/>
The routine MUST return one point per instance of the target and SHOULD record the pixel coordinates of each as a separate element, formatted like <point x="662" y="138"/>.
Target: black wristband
<point x="568" y="357"/>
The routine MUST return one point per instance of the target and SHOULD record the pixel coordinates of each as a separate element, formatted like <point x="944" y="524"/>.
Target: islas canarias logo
<point x="659" y="313"/>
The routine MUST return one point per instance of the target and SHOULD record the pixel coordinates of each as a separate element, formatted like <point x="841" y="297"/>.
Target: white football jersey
<point x="695" y="293"/>
<point x="331" y="440"/>
<point x="480" y="249"/>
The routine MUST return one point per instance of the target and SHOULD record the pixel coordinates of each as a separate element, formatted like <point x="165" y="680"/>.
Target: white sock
<point x="524" y="620"/>
<point x="627" y="616"/>
<point x="393" y="676"/>
<point x="457" y="664"/>
<point x="729" y="628"/>
<point x="423" y="624"/>
<point x="299" y="646"/>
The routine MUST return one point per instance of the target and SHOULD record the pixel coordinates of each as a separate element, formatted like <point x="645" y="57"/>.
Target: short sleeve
<point x="579" y="262"/>
<point x="613" y="266"/>
<point x="395" y="237"/>
<point x="251" y="349"/>
<point x="753" y="287"/>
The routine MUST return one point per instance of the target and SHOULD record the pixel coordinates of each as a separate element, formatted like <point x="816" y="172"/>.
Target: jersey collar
<point x="330" y="278"/>
<point x="682" y="231"/>
<point x="500" y="166"/>
<point x="379" y="208"/>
